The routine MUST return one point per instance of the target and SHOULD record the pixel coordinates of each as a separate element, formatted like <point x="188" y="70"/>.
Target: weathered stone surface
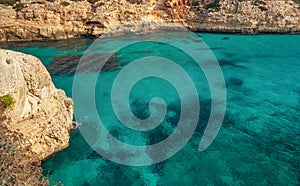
<point x="62" y="19"/>
<point x="41" y="114"/>
<point x="250" y="16"/>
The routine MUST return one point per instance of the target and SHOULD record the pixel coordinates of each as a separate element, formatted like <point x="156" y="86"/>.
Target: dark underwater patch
<point x="205" y="109"/>
<point x="229" y="63"/>
<point x="158" y="168"/>
<point x="67" y="64"/>
<point x="212" y="48"/>
<point x="229" y="120"/>
<point x="225" y="38"/>
<point x="64" y="65"/>
<point x="156" y="135"/>
<point x="174" y="111"/>
<point x="229" y="54"/>
<point x="140" y="109"/>
<point x="94" y="155"/>
<point x="236" y="82"/>
<point x="115" y="174"/>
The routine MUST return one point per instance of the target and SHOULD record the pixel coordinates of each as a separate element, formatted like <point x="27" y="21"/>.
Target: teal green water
<point x="259" y="141"/>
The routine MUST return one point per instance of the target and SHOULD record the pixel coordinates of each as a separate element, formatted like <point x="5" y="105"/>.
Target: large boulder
<point x="40" y="113"/>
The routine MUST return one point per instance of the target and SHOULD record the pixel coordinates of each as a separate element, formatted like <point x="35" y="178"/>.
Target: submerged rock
<point x="41" y="114"/>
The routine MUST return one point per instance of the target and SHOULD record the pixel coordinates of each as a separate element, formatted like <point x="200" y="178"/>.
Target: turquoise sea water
<point x="258" y="144"/>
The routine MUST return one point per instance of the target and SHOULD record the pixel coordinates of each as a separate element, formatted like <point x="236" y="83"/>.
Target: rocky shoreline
<point x="34" y="20"/>
<point x="241" y="30"/>
<point x="40" y="113"/>
<point x="35" y="117"/>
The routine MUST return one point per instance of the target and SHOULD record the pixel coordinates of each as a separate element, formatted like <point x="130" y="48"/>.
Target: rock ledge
<point x="41" y="115"/>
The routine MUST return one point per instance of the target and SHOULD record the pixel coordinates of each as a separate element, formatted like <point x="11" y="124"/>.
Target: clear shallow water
<point x="258" y="143"/>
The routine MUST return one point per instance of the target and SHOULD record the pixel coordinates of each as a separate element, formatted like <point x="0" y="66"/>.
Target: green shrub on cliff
<point x="93" y="1"/>
<point x="297" y="1"/>
<point x="8" y="2"/>
<point x="65" y="3"/>
<point x="18" y="6"/>
<point x="213" y="6"/>
<point x="6" y="101"/>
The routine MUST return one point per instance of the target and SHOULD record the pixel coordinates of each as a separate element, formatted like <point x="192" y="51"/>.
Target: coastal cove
<point x="259" y="139"/>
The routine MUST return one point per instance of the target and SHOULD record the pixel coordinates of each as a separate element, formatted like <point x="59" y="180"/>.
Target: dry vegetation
<point x="16" y="167"/>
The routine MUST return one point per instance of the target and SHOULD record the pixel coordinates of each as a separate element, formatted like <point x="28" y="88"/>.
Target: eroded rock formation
<point x="249" y="16"/>
<point x="41" y="114"/>
<point x="61" y="19"/>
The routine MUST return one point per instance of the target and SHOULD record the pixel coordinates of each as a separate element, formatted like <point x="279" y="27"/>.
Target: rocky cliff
<point x="60" y="19"/>
<point x="38" y="113"/>
<point x="255" y="16"/>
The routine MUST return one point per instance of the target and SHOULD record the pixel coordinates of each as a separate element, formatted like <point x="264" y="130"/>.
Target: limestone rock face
<point x="62" y="19"/>
<point x="249" y="16"/>
<point x="41" y="114"/>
